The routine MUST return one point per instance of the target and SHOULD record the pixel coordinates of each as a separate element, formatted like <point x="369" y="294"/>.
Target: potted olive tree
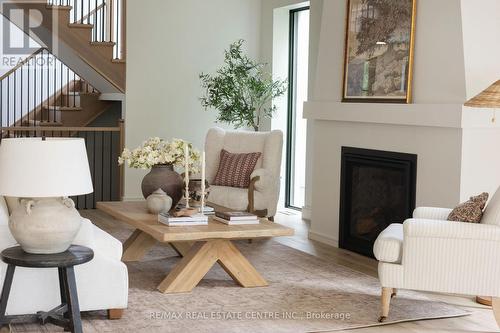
<point x="241" y="90"/>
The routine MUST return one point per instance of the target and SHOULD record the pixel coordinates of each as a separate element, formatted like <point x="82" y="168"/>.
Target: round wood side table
<point x="67" y="314"/>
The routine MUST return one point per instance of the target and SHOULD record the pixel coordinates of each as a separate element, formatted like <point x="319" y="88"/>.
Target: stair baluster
<point x="107" y="17"/>
<point x="37" y="90"/>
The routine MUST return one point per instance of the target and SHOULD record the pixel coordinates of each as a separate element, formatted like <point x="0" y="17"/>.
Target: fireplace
<point x="377" y="188"/>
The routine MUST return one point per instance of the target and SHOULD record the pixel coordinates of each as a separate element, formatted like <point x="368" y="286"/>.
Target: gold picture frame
<point x="379" y="51"/>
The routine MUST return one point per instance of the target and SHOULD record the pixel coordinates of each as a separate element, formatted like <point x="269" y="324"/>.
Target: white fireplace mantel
<point x="432" y="115"/>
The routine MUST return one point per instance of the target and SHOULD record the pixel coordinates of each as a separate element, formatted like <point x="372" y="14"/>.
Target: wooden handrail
<point x="59" y="129"/>
<point x="22" y="63"/>
<point x="92" y="12"/>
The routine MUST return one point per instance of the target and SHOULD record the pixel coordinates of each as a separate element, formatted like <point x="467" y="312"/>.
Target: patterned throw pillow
<point x="471" y="210"/>
<point x="235" y="169"/>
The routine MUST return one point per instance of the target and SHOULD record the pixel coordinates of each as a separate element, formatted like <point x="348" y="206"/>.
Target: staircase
<point x="57" y="91"/>
<point x="43" y="91"/>
<point x="92" y="31"/>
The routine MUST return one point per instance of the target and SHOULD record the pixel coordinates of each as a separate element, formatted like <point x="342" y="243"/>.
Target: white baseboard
<point x="306" y="213"/>
<point x="323" y="239"/>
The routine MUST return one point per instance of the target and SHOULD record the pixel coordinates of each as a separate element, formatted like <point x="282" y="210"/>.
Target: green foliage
<point x="241" y="90"/>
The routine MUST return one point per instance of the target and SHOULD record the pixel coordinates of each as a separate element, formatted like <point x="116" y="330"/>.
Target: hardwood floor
<point x="481" y="319"/>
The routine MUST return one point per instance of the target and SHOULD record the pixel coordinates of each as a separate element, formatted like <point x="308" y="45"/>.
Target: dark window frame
<point x="291" y="107"/>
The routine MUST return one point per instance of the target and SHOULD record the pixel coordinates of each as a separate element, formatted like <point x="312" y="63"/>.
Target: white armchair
<point x="102" y="283"/>
<point x="429" y="253"/>
<point x="262" y="195"/>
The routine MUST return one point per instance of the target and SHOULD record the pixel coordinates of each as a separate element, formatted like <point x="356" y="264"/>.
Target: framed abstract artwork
<point x="379" y="51"/>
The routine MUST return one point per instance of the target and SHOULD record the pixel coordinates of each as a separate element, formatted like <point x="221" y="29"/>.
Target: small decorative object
<point x="159" y="202"/>
<point x="161" y="157"/>
<point x="185" y="212"/>
<point x="47" y="170"/>
<point x="241" y="90"/>
<point x="195" y="189"/>
<point x="379" y="51"/>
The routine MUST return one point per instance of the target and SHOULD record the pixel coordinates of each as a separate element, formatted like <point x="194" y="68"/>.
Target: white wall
<point x="169" y="43"/>
<point x="481" y="31"/>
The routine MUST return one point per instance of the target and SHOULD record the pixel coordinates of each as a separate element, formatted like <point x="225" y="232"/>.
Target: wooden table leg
<point x="201" y="257"/>
<point x="182" y="248"/>
<point x="238" y="267"/>
<point x="484" y="300"/>
<point x="191" y="269"/>
<point x="137" y="245"/>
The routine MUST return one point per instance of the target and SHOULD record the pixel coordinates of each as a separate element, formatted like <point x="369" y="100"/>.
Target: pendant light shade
<point x="488" y="98"/>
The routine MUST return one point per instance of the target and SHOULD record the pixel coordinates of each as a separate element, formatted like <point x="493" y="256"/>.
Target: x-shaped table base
<point x="198" y="258"/>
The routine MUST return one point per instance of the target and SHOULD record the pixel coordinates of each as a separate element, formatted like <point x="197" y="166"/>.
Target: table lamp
<point x="43" y="173"/>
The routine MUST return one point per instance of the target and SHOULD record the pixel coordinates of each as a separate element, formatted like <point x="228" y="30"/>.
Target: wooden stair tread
<point x="50" y="123"/>
<point x="44" y="123"/>
<point x="54" y="7"/>
<point x="110" y="44"/>
<point x="81" y="25"/>
<point x="62" y="108"/>
<point x="118" y="61"/>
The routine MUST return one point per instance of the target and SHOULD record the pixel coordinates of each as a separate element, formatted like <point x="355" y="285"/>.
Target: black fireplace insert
<point x="377" y="188"/>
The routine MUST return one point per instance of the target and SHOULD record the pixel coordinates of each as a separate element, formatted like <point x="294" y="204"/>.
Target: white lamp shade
<point x="54" y="167"/>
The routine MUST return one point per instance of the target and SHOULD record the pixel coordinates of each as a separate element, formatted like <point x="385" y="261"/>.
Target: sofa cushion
<point x="235" y="198"/>
<point x="491" y="214"/>
<point x="470" y="211"/>
<point x="235" y="169"/>
<point x="4" y="212"/>
<point x="389" y="244"/>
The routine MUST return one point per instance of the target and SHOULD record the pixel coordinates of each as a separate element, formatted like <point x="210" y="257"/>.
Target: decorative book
<point x="172" y="221"/>
<point x="236" y="222"/>
<point x="236" y="216"/>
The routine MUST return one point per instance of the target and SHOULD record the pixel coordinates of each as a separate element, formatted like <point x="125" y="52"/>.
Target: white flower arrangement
<point x="157" y="151"/>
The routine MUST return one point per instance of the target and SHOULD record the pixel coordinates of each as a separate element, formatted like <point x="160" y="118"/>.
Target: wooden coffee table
<point x="200" y="246"/>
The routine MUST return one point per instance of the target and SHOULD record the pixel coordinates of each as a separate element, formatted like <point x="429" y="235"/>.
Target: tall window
<point x="297" y="126"/>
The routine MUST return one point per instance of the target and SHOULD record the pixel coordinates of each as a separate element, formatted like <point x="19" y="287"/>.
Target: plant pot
<point x="164" y="177"/>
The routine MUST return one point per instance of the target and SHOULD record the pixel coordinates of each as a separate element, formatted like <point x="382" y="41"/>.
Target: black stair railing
<point x="106" y="16"/>
<point x="104" y="145"/>
<point x="36" y="91"/>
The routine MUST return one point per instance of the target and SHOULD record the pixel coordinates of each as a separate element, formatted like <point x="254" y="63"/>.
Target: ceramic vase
<point x="45" y="226"/>
<point x="163" y="177"/>
<point x="159" y="202"/>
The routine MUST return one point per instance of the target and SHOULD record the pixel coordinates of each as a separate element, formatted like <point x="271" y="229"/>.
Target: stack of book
<point x="182" y="221"/>
<point x="234" y="218"/>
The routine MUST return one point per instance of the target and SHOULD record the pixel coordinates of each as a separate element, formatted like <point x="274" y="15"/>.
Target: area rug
<point x="305" y="294"/>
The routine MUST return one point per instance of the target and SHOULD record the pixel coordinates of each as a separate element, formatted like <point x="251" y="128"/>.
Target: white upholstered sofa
<point x="429" y="253"/>
<point x="262" y="195"/>
<point x="102" y="283"/>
